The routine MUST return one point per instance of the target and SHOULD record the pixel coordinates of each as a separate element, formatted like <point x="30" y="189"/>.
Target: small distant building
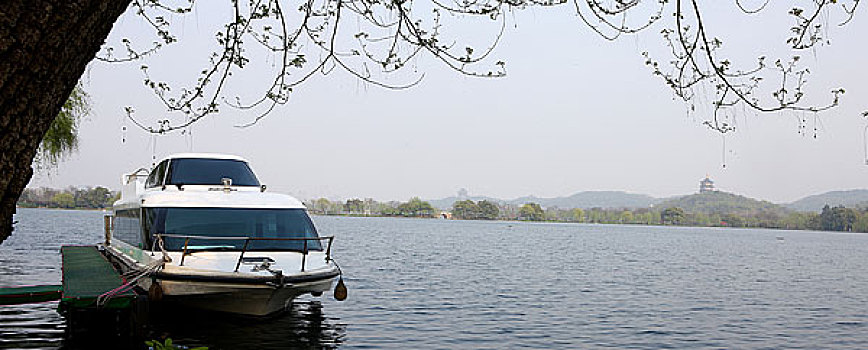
<point x="706" y="185"/>
<point x="462" y="193"/>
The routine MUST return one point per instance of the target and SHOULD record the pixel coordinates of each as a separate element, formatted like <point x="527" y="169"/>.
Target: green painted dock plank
<point x="28" y="294"/>
<point x="87" y="275"/>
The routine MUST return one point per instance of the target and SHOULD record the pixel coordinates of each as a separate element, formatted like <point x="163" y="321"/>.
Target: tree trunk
<point x="45" y="46"/>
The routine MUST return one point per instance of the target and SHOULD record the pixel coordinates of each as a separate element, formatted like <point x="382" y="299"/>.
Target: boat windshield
<point x="202" y="171"/>
<point x="232" y="222"/>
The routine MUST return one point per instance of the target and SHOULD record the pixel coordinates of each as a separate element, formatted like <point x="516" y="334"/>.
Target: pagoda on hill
<point x="706" y="185"/>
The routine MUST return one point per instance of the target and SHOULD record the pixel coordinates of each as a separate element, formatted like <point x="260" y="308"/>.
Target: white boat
<point x="201" y="231"/>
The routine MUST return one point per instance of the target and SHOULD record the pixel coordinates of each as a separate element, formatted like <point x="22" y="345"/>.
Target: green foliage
<point x="672" y="216"/>
<point x="761" y="216"/>
<point x="64" y="200"/>
<point x="832" y="219"/>
<point x="61" y="139"/>
<point x="626" y="216"/>
<point x="416" y="207"/>
<point x="720" y="203"/>
<point x="532" y="212"/>
<point x="325" y="207"/>
<point x="465" y="210"/>
<point x="861" y="224"/>
<point x="704" y="210"/>
<point x="83" y="198"/>
<point x="355" y="206"/>
<point x="838" y="218"/>
<point x="815" y="203"/>
<point x="168" y="345"/>
<point x="577" y="215"/>
<point x="469" y="210"/>
<point x="732" y="220"/>
<point x="488" y="210"/>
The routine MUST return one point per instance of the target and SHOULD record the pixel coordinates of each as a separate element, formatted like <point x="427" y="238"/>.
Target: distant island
<point x="831" y="211"/>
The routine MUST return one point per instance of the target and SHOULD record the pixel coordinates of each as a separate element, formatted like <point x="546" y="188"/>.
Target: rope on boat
<point x="132" y="277"/>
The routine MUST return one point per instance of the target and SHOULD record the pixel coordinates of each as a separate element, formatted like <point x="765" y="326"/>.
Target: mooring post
<point x="107" y="225"/>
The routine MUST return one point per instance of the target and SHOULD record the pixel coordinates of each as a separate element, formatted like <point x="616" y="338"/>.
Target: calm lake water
<point x="496" y="285"/>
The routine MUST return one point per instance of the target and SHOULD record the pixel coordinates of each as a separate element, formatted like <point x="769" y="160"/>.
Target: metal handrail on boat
<point x="247" y="240"/>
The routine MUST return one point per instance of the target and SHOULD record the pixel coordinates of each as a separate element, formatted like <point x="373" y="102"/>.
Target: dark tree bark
<point x="45" y="45"/>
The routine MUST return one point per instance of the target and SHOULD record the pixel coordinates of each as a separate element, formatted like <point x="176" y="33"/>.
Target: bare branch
<point x="391" y="36"/>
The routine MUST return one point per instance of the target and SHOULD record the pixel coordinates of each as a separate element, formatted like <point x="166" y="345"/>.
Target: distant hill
<point x="705" y="202"/>
<point x="721" y="203"/>
<point x="587" y="199"/>
<point x="593" y="199"/>
<point x="816" y="202"/>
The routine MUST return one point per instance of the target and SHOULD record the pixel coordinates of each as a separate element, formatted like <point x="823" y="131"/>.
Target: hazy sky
<point x="575" y="113"/>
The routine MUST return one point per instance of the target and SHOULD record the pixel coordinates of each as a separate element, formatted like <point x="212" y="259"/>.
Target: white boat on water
<point x="201" y="231"/>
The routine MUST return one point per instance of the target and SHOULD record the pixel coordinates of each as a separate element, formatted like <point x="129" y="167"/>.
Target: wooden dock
<point x="87" y="276"/>
<point x="29" y="294"/>
<point x="92" y="301"/>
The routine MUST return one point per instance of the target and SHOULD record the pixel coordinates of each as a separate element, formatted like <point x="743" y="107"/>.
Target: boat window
<point x="233" y="222"/>
<point x="127" y="227"/>
<point x="198" y="171"/>
<point x="156" y="177"/>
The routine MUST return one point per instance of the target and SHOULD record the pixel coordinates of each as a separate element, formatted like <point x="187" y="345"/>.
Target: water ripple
<point x="416" y="284"/>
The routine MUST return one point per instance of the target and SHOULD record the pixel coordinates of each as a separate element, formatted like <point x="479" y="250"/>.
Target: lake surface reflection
<point x="469" y="284"/>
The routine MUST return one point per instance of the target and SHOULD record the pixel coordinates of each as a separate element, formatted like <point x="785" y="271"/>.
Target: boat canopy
<point x="197" y="171"/>
<point x="202" y="171"/>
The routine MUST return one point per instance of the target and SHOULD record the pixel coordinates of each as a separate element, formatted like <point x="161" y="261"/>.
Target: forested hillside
<point x="722" y="203"/>
<point x="815" y="203"/>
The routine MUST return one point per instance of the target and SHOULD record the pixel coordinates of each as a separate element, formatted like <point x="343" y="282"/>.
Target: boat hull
<point x="237" y="293"/>
<point x="252" y="300"/>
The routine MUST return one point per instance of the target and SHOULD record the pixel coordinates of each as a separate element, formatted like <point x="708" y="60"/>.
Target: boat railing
<point x="305" y="247"/>
<point x="139" y="173"/>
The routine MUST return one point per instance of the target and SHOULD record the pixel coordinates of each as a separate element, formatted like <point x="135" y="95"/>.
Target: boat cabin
<point x="205" y="195"/>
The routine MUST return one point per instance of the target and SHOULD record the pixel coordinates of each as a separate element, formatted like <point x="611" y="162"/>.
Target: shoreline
<point x="590" y="223"/>
<point x="58" y="208"/>
<point x="509" y="220"/>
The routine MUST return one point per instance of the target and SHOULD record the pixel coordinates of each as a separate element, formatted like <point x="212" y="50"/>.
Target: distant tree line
<point x="70" y="198"/>
<point x="470" y="210"/>
<point x="414" y="207"/>
<point x="829" y="219"/>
